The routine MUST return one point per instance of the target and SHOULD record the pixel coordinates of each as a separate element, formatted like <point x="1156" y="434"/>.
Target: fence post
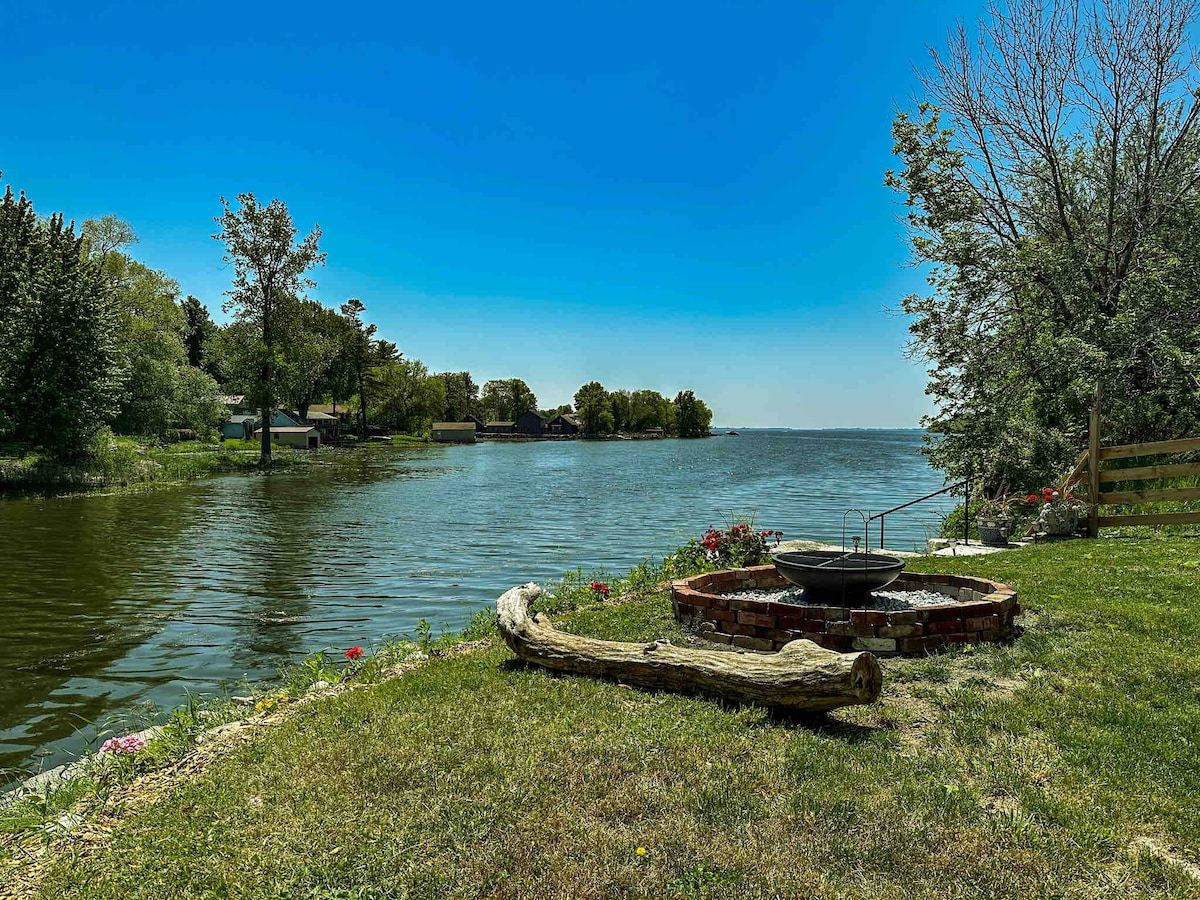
<point x="967" y="506"/>
<point x="1093" y="526"/>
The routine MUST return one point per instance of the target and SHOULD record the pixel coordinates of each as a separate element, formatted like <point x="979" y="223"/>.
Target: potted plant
<point x="1057" y="515"/>
<point x="995" y="521"/>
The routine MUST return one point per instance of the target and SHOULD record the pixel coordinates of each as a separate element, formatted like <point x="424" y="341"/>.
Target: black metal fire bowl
<point x="831" y="576"/>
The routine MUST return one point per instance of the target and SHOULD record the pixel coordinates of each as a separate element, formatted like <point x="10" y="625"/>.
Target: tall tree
<point x="269" y="272"/>
<point x="107" y="234"/>
<point x="462" y="396"/>
<point x="358" y="353"/>
<point x="693" y="418"/>
<point x="591" y="406"/>
<point x="407" y="397"/>
<point x="149" y="328"/>
<point x="199" y="333"/>
<point x="311" y="351"/>
<point x="620" y="404"/>
<point x="649" y="409"/>
<point x="59" y="366"/>
<point x="1050" y="176"/>
<point x="506" y="399"/>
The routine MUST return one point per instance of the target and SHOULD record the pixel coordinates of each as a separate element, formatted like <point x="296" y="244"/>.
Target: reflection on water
<point x="113" y="602"/>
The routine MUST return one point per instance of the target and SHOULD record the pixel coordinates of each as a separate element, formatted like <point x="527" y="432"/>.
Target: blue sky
<point x="662" y="195"/>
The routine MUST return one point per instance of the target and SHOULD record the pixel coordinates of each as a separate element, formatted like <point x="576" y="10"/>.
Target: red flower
<point x="354" y="653"/>
<point x="1032" y="498"/>
<point x="600" y="588"/>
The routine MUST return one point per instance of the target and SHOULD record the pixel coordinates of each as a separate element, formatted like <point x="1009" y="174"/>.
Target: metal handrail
<point x="965" y="483"/>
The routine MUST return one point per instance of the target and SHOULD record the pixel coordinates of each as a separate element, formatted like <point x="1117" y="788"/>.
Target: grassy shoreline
<point x="131" y="464"/>
<point x="1063" y="764"/>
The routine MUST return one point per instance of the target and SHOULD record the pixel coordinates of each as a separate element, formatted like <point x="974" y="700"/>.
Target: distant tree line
<point x="601" y="411"/>
<point x="91" y="339"/>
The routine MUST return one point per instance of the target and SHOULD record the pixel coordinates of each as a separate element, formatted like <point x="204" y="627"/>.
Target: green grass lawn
<point x="1018" y="771"/>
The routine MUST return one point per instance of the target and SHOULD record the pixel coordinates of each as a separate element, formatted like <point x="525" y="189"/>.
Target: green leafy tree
<point x="462" y="396"/>
<point x="149" y="327"/>
<point x="269" y="273"/>
<point x="620" y="404"/>
<point x="159" y="389"/>
<point x="693" y="418"/>
<point x="1050" y="181"/>
<point x="59" y="366"/>
<point x="313" y="342"/>
<point x="197" y="404"/>
<point x="199" y="338"/>
<point x="504" y="400"/>
<point x="360" y="351"/>
<point x="591" y="406"/>
<point x="407" y="397"/>
<point x="650" y="409"/>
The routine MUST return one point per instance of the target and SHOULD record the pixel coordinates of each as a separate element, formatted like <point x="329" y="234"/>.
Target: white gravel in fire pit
<point x="884" y="600"/>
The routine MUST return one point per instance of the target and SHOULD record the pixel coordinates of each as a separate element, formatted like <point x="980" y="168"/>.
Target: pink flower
<point x="128" y="744"/>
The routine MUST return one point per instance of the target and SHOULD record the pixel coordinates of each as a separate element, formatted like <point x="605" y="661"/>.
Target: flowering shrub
<point x="601" y="590"/>
<point x="129" y="744"/>
<point x="739" y="545"/>
<point x="354" y="653"/>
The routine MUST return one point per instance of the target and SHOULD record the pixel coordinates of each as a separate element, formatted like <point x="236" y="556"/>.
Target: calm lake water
<point x="110" y="603"/>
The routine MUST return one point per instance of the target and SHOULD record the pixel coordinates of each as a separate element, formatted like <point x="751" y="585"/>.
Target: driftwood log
<point x="801" y="676"/>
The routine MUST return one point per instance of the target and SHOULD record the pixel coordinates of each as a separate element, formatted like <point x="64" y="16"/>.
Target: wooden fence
<point x="1090" y="461"/>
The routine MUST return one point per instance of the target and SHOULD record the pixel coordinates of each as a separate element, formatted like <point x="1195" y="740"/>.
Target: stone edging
<point x="976" y="610"/>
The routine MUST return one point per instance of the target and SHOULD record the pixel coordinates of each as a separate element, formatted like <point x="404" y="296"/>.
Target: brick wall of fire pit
<point x="975" y="610"/>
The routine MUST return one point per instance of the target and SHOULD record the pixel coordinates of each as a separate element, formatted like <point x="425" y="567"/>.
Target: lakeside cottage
<point x="236" y="404"/>
<point x="530" y="424"/>
<point x="303" y="437"/>
<point x="453" y="432"/>
<point x="239" y="427"/>
<point x="476" y="421"/>
<point x="565" y="423"/>
<point x="327" y="425"/>
<point x="287" y="428"/>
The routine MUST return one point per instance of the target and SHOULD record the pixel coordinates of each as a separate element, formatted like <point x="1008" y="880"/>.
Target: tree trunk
<point x="264" y="457"/>
<point x="801" y="676"/>
<point x="362" y="403"/>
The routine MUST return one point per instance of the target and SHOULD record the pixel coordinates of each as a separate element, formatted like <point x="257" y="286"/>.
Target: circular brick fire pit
<point x="975" y="610"/>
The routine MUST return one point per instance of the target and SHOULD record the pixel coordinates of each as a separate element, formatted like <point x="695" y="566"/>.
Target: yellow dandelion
<point x="641" y="851"/>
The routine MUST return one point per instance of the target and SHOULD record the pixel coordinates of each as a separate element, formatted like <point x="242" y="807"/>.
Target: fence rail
<point x="1091" y="459"/>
